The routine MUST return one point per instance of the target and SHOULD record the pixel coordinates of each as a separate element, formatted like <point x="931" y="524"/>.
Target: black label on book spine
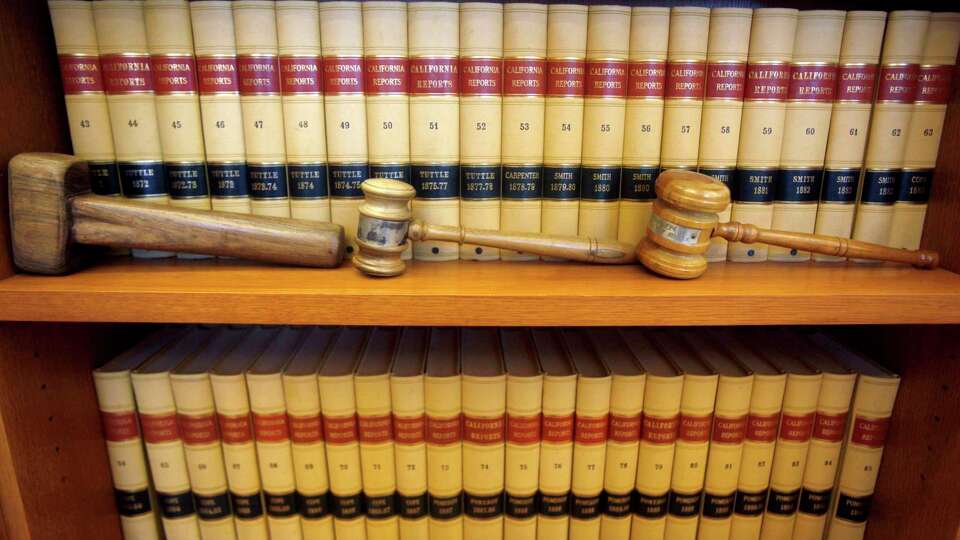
<point x="585" y="507"/>
<point x="347" y="506"/>
<point x="521" y="507"/>
<point x="313" y="506"/>
<point x="267" y="180"/>
<point x="308" y="180"/>
<point x="381" y="506"/>
<point x="783" y="503"/>
<point x="213" y="507"/>
<point x="840" y="186"/>
<point x="479" y="182"/>
<point x="446" y="507"/>
<point x="413" y="507"/>
<point x="345" y="179"/>
<point x="247" y="506"/>
<point x="798" y="185"/>
<point x="561" y="183"/>
<point x="104" y="178"/>
<point x="436" y="181"/>
<point x="186" y="180"/>
<point x="615" y="505"/>
<point x="718" y="506"/>
<point x="522" y="182"/>
<point x="815" y="503"/>
<point x="141" y="180"/>
<point x="723" y="175"/>
<point x="684" y="504"/>
<point x="483" y="506"/>
<point x="754" y="185"/>
<point x="915" y="186"/>
<point x="879" y="187"/>
<point x="554" y="505"/>
<point x="176" y="505"/>
<point x="228" y="180"/>
<point x="648" y="506"/>
<point x="132" y="503"/>
<point x="281" y="504"/>
<point x="750" y="504"/>
<point x="600" y="183"/>
<point x="638" y="183"/>
<point x="855" y="509"/>
<point x="393" y="171"/>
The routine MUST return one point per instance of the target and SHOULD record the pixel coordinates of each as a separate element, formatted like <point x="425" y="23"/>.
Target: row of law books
<point x="526" y="117"/>
<point x="444" y="433"/>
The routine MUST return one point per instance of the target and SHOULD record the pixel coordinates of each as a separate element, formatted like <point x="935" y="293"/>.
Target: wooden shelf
<point x="468" y="293"/>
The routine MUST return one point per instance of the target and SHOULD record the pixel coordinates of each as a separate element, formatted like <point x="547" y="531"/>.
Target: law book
<point x="556" y="430"/>
<point x="849" y="124"/>
<point x="484" y="401"/>
<point x="523" y="427"/>
<point x="301" y="97"/>
<point x="345" y="111"/>
<point x="925" y="129"/>
<point x="590" y="435"/>
<point x="727" y="49"/>
<point x="685" y="87"/>
<point x="434" y="44"/>
<point x="215" y="46"/>
<point x="772" y="35"/>
<point x="810" y="96"/>
<point x="121" y="431"/>
<point x="643" y="125"/>
<point x="258" y="69"/>
<point x="658" y="434"/>
<point x="481" y="89"/>
<point x="442" y="401"/>
<point x="409" y="431"/>
<point x="903" y="44"/>
<point x="339" y="407"/>
<point x="230" y="397"/>
<point x="604" y="120"/>
<point x="623" y="441"/>
<point x="271" y="432"/>
<point x="305" y="420"/>
<point x="158" y="420"/>
<point x="377" y="457"/>
<point x="563" y="117"/>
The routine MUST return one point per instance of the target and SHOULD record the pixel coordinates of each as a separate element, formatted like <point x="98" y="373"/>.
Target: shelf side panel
<point x="941" y="230"/>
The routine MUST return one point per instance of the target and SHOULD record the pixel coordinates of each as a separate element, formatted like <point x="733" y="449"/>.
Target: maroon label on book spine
<point x="685" y="80"/>
<point x="271" y="427"/>
<point x="565" y="78"/>
<point x="729" y="430"/>
<point x="647" y="79"/>
<point x="340" y="429"/>
<point x="305" y="429"/>
<point x="695" y="429"/>
<point x="481" y="76"/>
<point x="871" y="432"/>
<point x="483" y="430"/>
<point x="217" y="75"/>
<point x="657" y="430"/>
<point x="625" y="428"/>
<point x="856" y="83"/>
<point x="523" y="429"/>
<point x="342" y="75"/>
<point x="591" y="429"/>
<point x="767" y="82"/>
<point x="933" y="84"/>
<point x="375" y="429"/>
<point x="198" y="429"/>
<point x="726" y="80"/>
<point x="829" y="427"/>
<point x="524" y="77"/>
<point x="174" y="74"/>
<point x="259" y="75"/>
<point x="607" y="78"/>
<point x="126" y="73"/>
<point x="796" y="427"/>
<point x="812" y="83"/>
<point x="762" y="428"/>
<point x="409" y="430"/>
<point x="557" y="429"/>
<point x="235" y="429"/>
<point x="80" y="74"/>
<point x="301" y="75"/>
<point x="159" y="428"/>
<point x="898" y="84"/>
<point x="120" y="426"/>
<point x="434" y="76"/>
<point x="444" y="430"/>
<point x="386" y="75"/>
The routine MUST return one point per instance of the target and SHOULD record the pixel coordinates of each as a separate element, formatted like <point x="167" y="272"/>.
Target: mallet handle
<point x="826" y="245"/>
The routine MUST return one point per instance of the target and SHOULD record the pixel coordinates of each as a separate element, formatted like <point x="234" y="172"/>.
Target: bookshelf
<point x="54" y="479"/>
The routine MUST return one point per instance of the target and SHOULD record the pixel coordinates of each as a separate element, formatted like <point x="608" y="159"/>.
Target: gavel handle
<point x="826" y="245"/>
<point x="562" y="247"/>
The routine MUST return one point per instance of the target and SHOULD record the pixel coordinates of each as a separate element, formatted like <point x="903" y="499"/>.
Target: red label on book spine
<point x="259" y="75"/>
<point x="409" y="430"/>
<point x="625" y="428"/>
<point x="812" y="83"/>
<point x="726" y="80"/>
<point x="126" y="73"/>
<point x="647" y="79"/>
<point x="658" y="430"/>
<point x="591" y="429"/>
<point x="342" y="75"/>
<point x="607" y="78"/>
<point x="434" y="77"/>
<point x="235" y="429"/>
<point x="444" y="430"/>
<point x="685" y="80"/>
<point x="829" y="427"/>
<point x="80" y="74"/>
<point x="483" y="430"/>
<point x="198" y="429"/>
<point x="120" y="426"/>
<point x="159" y="428"/>
<point x="271" y="427"/>
<point x="870" y="432"/>
<point x="729" y="430"/>
<point x="386" y="75"/>
<point x="174" y="74"/>
<point x="695" y="429"/>
<point x="767" y="82"/>
<point x="217" y="75"/>
<point x="301" y="75"/>
<point x="481" y="76"/>
<point x="524" y="77"/>
<point x="856" y="82"/>
<point x="565" y="78"/>
<point x="305" y="429"/>
<point x="523" y="429"/>
<point x="933" y="84"/>
<point x="898" y="84"/>
<point x="375" y="429"/>
<point x="557" y="429"/>
<point x="340" y="429"/>
<point x="762" y="428"/>
<point x="796" y="427"/>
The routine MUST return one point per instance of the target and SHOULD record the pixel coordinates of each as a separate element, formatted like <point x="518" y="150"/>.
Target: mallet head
<point x="382" y="229"/>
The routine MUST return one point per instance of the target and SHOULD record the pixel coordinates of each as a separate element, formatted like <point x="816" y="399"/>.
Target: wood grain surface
<point x="941" y="231"/>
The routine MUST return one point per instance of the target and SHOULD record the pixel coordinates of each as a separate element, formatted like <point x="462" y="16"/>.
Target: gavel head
<point x="382" y="228"/>
<point x="683" y="219"/>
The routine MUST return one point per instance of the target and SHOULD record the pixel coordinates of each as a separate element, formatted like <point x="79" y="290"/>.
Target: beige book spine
<point x="685" y="86"/>
<point x="623" y="442"/>
<point x="524" y="97"/>
<point x="589" y="454"/>
<point x="409" y="429"/>
<point x="761" y="125"/>
<point x="128" y="464"/>
<point x="481" y="86"/>
<point x="522" y="461"/>
<point x="556" y="456"/>
<point x="873" y="403"/>
<point x="345" y="111"/>
<point x="484" y="437"/>
<point x="658" y="437"/>
<point x="643" y="124"/>
<point x="563" y="117"/>
<point x="377" y="458"/>
<point x="849" y="124"/>
<point x="338" y="403"/>
<point x="444" y="456"/>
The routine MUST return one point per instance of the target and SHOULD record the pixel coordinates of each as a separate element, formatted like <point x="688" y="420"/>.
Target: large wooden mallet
<point x="56" y="221"/>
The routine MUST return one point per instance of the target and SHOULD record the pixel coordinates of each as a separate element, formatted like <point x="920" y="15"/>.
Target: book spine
<point x="849" y="124"/>
<point x="83" y="92"/>
<point x="643" y="128"/>
<point x="409" y="429"/>
<point x="301" y="89"/>
<point x="620" y="467"/>
<point x="435" y="120"/>
<point x="563" y="117"/>
<point x="377" y="459"/>
<point x="926" y="128"/>
<point x="761" y="125"/>
<point x="444" y="460"/>
<point x="341" y="39"/>
<point x="889" y="129"/>
<point x="524" y="408"/>
<point x="524" y="98"/>
<point x="604" y="120"/>
<point x="810" y="96"/>
<point x="589" y="453"/>
<point x="556" y="457"/>
<point x="168" y="464"/>
<point x="215" y="46"/>
<point x="128" y="465"/>
<point x="341" y="435"/>
<point x="484" y="438"/>
<point x="481" y="89"/>
<point x="685" y="87"/>
<point x="823" y="456"/>
<point x="723" y="104"/>
<point x="872" y="406"/>
<point x="305" y="421"/>
<point x="240" y="455"/>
